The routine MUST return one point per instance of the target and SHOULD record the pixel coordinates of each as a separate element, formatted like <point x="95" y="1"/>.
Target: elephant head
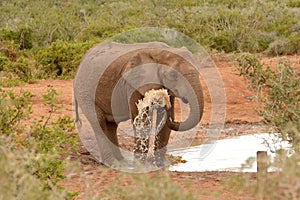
<point x="182" y="81"/>
<point x="172" y="69"/>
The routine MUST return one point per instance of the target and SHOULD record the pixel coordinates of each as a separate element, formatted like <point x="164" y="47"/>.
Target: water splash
<point x="150" y="120"/>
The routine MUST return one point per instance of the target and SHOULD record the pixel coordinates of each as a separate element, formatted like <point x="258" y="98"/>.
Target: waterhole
<point x="230" y="154"/>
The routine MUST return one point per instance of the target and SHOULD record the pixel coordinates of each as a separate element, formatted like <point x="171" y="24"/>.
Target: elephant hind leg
<point x="107" y="140"/>
<point x="113" y="137"/>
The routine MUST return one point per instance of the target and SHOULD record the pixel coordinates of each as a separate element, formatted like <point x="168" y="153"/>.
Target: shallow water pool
<point x="228" y="154"/>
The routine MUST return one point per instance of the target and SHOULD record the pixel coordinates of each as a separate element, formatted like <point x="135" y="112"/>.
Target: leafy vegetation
<point x="48" y="39"/>
<point x="16" y="178"/>
<point x="13" y="110"/>
<point x="60" y="59"/>
<point x="278" y="89"/>
<point x="31" y="159"/>
<point x="159" y="187"/>
<point x="283" y="184"/>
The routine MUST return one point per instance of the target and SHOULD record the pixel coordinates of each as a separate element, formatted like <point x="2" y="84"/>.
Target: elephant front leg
<point x="141" y="128"/>
<point x="160" y="146"/>
<point x="162" y="138"/>
<point x="141" y="146"/>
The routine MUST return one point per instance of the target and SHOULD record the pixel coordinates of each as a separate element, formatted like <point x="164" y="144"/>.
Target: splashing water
<point x="149" y="121"/>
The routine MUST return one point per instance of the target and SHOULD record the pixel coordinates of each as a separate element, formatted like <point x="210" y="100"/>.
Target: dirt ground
<point x="241" y="118"/>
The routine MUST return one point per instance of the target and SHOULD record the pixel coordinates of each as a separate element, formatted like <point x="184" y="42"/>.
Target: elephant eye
<point x="172" y="76"/>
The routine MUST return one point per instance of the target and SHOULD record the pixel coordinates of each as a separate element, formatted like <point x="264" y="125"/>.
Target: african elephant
<point x="111" y="79"/>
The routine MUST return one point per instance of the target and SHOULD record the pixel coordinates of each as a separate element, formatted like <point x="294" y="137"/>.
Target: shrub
<point x="4" y="63"/>
<point x="284" y="46"/>
<point x="15" y="65"/>
<point x="40" y="155"/>
<point x="294" y="3"/>
<point x="16" y="178"/>
<point x="13" y="110"/>
<point x="282" y="184"/>
<point x="50" y="135"/>
<point x="278" y="90"/>
<point x="51" y="139"/>
<point x="23" y="37"/>
<point x="243" y="26"/>
<point x="60" y="59"/>
<point x="23" y="68"/>
<point x="9" y="50"/>
<point x="149" y="34"/>
<point x="160" y="186"/>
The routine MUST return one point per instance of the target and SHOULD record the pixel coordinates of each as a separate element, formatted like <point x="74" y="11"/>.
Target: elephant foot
<point x="160" y="159"/>
<point x="140" y="157"/>
<point x="124" y="165"/>
<point x="141" y="149"/>
<point x="161" y="162"/>
<point x="113" y="159"/>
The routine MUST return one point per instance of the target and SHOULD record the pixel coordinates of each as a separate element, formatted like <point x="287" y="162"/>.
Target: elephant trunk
<point x="196" y="103"/>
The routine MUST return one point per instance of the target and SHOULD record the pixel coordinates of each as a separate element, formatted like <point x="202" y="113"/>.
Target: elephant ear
<point x="134" y="60"/>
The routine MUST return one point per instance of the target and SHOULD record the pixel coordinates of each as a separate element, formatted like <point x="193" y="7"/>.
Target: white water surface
<point x="228" y="154"/>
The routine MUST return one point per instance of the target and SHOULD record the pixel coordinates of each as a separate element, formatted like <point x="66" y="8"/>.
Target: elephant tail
<point x="77" y="118"/>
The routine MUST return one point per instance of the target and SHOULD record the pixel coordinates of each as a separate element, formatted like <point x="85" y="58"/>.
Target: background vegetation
<point x="278" y="89"/>
<point x="33" y="157"/>
<point x="47" y="39"/>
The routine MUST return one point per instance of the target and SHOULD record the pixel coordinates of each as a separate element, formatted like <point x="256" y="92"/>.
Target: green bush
<point x="294" y="3"/>
<point x="43" y="22"/>
<point x="23" y="68"/>
<point x="15" y="65"/>
<point x="278" y="90"/>
<point x="168" y="36"/>
<point x="282" y="184"/>
<point x="5" y="63"/>
<point x="52" y="139"/>
<point x="16" y="178"/>
<point x="284" y="46"/>
<point x="13" y="110"/>
<point x="9" y="50"/>
<point x="39" y="153"/>
<point x="61" y="59"/>
<point x="160" y="186"/>
<point x="23" y="37"/>
<point x="50" y="135"/>
<point x="294" y="43"/>
<point x="231" y="26"/>
<point x="99" y="30"/>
